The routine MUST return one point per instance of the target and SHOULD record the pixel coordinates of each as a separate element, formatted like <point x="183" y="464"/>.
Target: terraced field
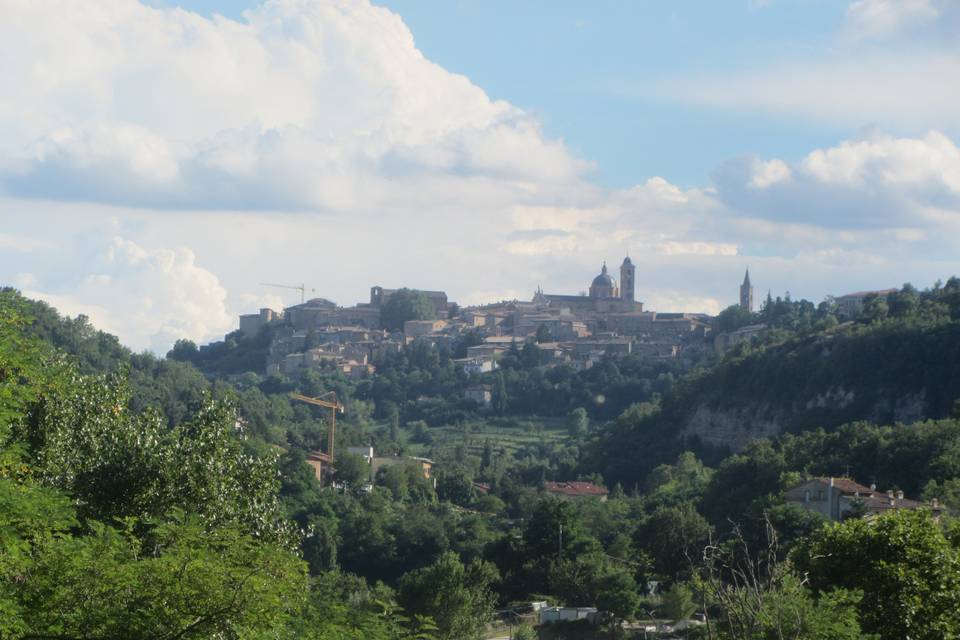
<point x="505" y="440"/>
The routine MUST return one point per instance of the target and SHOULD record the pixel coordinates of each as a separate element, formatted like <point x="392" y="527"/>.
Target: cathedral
<point x="605" y="295"/>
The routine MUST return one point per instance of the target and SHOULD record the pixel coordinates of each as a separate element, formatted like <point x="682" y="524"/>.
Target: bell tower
<point x="746" y="293"/>
<point x="627" y="280"/>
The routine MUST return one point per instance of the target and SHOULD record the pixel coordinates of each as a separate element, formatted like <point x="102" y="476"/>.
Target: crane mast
<point x="334" y="405"/>
<point x="301" y="288"/>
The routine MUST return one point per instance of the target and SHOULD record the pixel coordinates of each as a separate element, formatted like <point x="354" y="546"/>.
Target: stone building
<point x="605" y="296"/>
<point x="851" y="304"/>
<point x="379" y="297"/>
<point x="250" y="323"/>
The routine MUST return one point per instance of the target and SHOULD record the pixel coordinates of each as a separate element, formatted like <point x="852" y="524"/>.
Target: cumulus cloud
<point x="150" y="298"/>
<point x="879" y="181"/>
<point x="328" y="150"/>
<point x="307" y="104"/>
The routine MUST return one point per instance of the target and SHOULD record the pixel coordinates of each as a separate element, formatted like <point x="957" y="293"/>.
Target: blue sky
<point x="157" y="162"/>
<point x="582" y="68"/>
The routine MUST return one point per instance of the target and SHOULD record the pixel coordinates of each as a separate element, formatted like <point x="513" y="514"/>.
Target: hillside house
<point x="839" y="498"/>
<point x="851" y="304"/>
<point x="549" y="615"/>
<point x="320" y="463"/>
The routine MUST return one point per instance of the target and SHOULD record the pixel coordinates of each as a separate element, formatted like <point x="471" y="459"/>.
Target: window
<point x="806" y="495"/>
<point x="820" y="495"/>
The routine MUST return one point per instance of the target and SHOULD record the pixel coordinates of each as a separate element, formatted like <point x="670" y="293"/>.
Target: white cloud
<point x="550" y="242"/>
<point x="315" y="143"/>
<point x="150" y="298"/>
<point x="768" y="173"/>
<point x="309" y="104"/>
<point x="668" y="299"/>
<point x="907" y="89"/>
<point x="22" y="244"/>
<point x="695" y="248"/>
<point x="875" y="182"/>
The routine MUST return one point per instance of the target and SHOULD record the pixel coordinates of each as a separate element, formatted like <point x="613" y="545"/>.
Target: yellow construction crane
<point x="334" y="405"/>
<point x="302" y="289"/>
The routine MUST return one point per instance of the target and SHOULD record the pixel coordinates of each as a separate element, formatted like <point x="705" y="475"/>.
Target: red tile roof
<point x="846" y="485"/>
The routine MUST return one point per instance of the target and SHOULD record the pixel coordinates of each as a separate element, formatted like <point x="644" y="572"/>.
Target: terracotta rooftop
<point x="575" y="489"/>
<point x="847" y="485"/>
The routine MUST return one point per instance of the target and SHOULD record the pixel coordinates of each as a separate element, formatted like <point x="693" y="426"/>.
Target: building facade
<point x="605" y="295"/>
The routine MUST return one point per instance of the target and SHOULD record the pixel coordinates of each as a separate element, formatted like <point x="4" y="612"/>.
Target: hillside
<point x="884" y="373"/>
<point x="897" y="373"/>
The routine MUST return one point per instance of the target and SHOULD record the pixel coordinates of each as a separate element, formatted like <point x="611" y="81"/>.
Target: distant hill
<point x="173" y="387"/>
<point x="885" y="373"/>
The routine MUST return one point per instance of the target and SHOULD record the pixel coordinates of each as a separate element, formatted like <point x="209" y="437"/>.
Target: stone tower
<point x="627" y="280"/>
<point x="746" y="293"/>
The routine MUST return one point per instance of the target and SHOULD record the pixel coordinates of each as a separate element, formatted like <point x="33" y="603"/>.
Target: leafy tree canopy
<point x="405" y="304"/>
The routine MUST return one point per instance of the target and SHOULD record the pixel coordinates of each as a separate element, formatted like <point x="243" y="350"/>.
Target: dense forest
<point x="897" y="362"/>
<point x="147" y="497"/>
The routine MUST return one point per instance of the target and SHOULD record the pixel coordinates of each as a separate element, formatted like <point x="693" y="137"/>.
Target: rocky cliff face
<point x="902" y="374"/>
<point x="881" y="374"/>
<point x="734" y="427"/>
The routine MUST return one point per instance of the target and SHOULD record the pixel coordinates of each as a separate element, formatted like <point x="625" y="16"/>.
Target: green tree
<point x="734" y="317"/>
<point x="761" y="598"/>
<point x="594" y="579"/>
<point x="675" y="538"/>
<point x="524" y="632"/>
<point x="455" y="485"/>
<point x="182" y="580"/>
<point x="120" y="464"/>
<point x="776" y="606"/>
<point x="458" y="598"/>
<point x="904" y="303"/>
<point x="406" y="482"/>
<point x="405" y="304"/>
<point x="875" y="309"/>
<point x="352" y="469"/>
<point x="499" y="398"/>
<point x="904" y="564"/>
<point x="578" y="422"/>
<point x="677" y="603"/>
<point x="341" y="606"/>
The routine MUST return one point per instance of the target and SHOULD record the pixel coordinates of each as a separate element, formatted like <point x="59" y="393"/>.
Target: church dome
<point x="603" y="280"/>
<point x="603" y="285"/>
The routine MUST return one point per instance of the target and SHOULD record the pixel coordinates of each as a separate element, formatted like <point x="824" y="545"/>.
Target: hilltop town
<point x="572" y="330"/>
